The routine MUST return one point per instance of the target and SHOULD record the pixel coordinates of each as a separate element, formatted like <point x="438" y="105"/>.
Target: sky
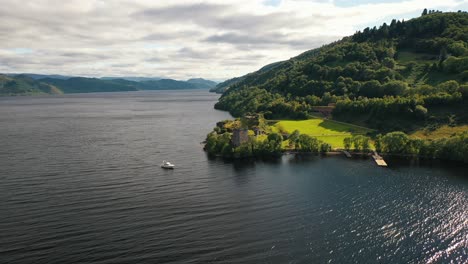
<point x="181" y="39"/>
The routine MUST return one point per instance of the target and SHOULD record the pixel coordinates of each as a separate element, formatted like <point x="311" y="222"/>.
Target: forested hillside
<point x="25" y="85"/>
<point x="399" y="76"/>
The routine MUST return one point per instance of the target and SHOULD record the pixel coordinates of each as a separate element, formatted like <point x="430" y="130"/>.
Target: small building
<point x="239" y="136"/>
<point x="326" y="111"/>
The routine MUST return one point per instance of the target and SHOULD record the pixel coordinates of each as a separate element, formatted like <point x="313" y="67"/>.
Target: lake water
<point x="80" y="182"/>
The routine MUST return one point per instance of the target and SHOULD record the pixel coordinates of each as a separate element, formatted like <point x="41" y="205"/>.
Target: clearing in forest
<point x="329" y="131"/>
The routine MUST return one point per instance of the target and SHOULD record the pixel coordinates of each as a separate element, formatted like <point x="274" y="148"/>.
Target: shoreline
<point x="354" y="155"/>
<point x="253" y="137"/>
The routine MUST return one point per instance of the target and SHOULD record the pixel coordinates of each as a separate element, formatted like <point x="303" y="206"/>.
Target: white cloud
<point x="178" y="39"/>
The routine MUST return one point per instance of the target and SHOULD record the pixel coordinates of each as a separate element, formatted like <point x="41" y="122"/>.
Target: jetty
<point x="379" y="160"/>
<point x="347" y="154"/>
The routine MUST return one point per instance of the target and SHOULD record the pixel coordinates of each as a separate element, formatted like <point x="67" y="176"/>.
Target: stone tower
<point x="239" y="136"/>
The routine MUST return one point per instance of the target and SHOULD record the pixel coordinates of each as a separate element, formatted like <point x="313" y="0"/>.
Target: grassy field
<point x="329" y="131"/>
<point x="441" y="132"/>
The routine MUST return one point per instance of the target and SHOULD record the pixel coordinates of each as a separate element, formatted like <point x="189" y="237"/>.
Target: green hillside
<point x="399" y="76"/>
<point x="24" y="85"/>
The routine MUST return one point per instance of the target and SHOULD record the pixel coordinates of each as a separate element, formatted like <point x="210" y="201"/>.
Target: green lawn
<point x="329" y="131"/>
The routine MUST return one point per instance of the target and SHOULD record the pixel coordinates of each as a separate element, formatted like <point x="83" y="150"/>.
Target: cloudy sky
<point x="181" y="39"/>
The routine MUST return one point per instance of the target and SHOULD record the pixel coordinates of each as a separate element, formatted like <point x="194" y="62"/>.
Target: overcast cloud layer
<point x="180" y="39"/>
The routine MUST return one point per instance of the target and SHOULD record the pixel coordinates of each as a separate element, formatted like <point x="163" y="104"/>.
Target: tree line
<point x="397" y="143"/>
<point x="452" y="148"/>
<point x="271" y="146"/>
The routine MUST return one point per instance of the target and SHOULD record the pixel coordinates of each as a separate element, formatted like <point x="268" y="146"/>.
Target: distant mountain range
<point x="39" y="76"/>
<point x="202" y="83"/>
<point x="132" y="78"/>
<point x="29" y="84"/>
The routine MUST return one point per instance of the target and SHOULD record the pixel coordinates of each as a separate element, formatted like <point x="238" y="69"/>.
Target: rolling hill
<point x="202" y="83"/>
<point x="29" y="84"/>
<point x="25" y="85"/>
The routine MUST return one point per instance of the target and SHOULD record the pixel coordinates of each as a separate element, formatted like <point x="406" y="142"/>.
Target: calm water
<point x="80" y="182"/>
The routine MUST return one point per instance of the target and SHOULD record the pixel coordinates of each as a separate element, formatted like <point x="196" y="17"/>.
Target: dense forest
<point x="30" y="84"/>
<point x="400" y="76"/>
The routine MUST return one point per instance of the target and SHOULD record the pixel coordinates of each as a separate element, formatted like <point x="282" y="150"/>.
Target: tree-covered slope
<point x="393" y="77"/>
<point x="24" y="85"/>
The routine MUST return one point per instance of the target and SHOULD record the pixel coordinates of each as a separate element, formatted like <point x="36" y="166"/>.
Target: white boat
<point x="167" y="165"/>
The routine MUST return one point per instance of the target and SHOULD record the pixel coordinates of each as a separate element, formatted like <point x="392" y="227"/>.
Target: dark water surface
<point x="80" y="182"/>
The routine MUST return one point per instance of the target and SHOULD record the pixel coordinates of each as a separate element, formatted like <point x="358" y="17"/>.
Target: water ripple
<point x="80" y="183"/>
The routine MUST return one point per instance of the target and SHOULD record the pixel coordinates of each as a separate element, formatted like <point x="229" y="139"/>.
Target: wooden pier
<point x="379" y="160"/>
<point x="347" y="154"/>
